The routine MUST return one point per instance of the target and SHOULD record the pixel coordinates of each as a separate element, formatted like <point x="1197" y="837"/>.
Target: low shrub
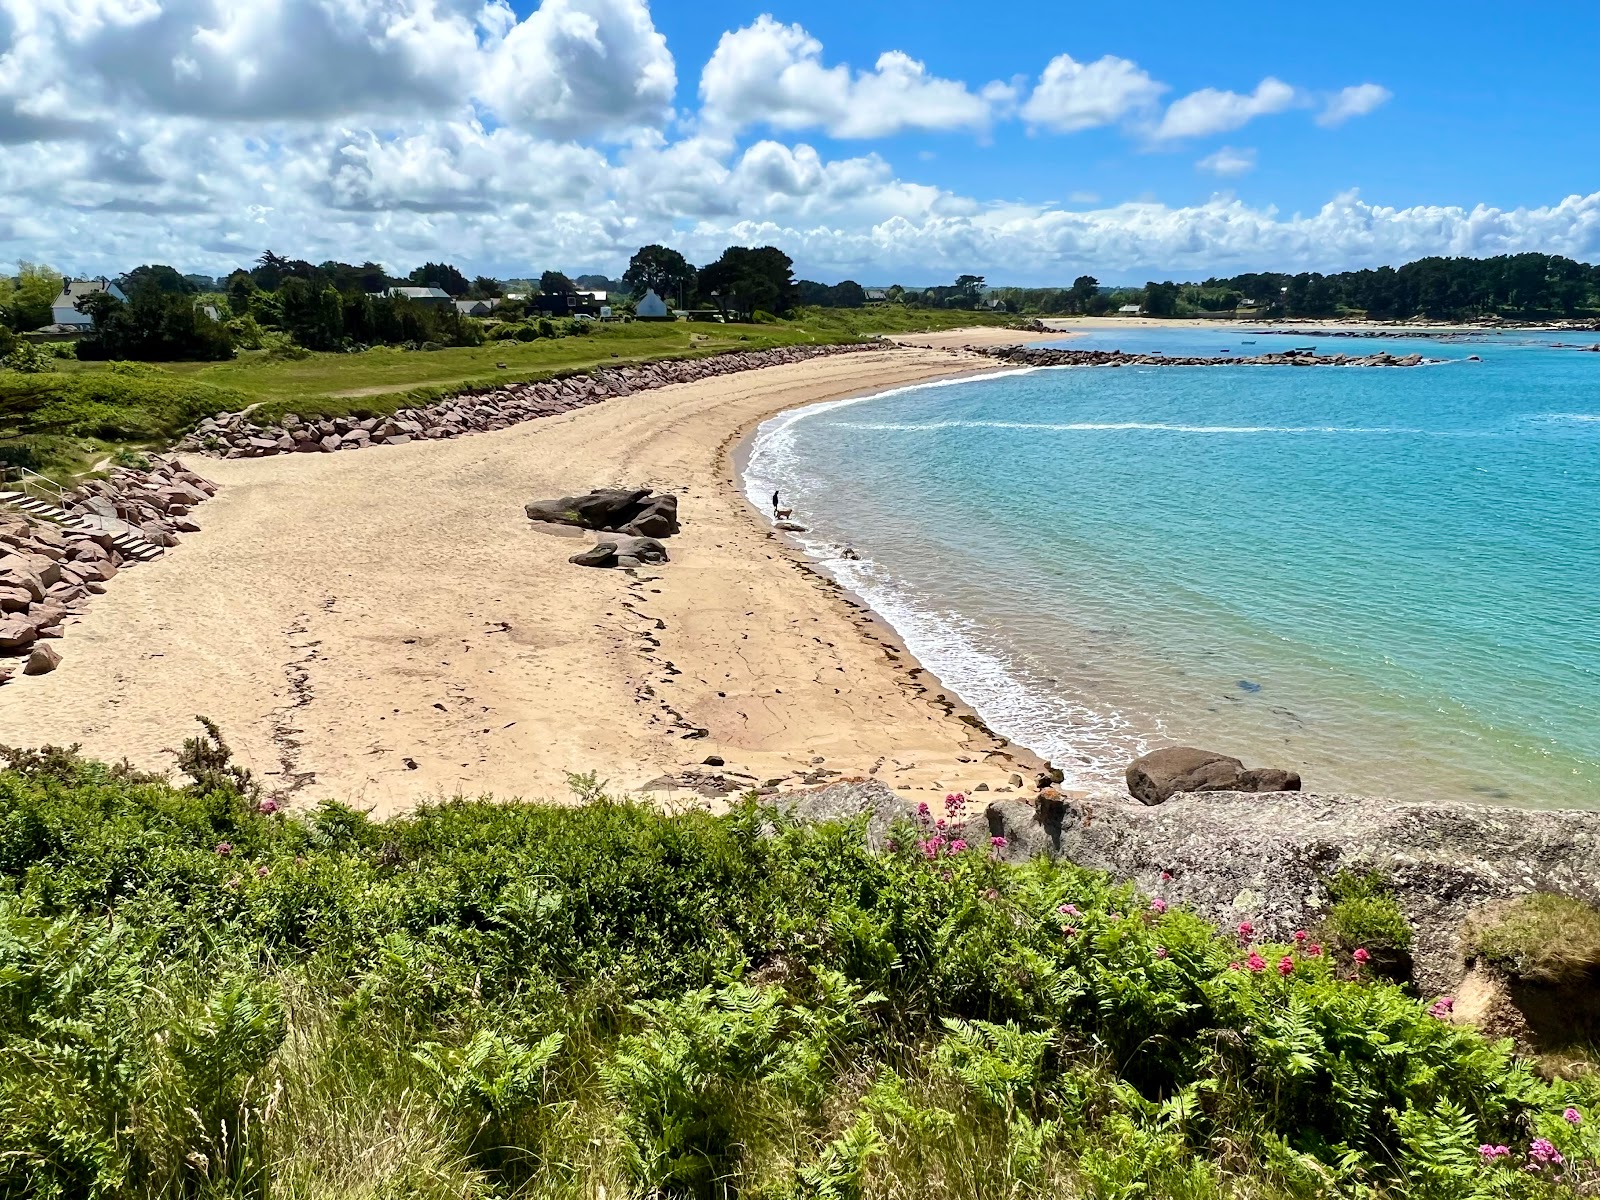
<point x="201" y="994"/>
<point x="1365" y="915"/>
<point x="1543" y="938"/>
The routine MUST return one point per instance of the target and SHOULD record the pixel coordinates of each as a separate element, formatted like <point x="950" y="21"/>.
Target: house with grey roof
<point x="417" y="295"/>
<point x="64" y="308"/>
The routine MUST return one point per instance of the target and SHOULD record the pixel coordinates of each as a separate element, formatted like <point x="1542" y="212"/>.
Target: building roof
<point x="1130" y="308"/>
<point x="417" y="293"/>
<point x="598" y="297"/>
<point x="73" y="290"/>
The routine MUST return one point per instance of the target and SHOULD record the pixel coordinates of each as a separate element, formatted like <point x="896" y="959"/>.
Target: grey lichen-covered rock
<point x="1267" y="858"/>
<point x="1162" y="774"/>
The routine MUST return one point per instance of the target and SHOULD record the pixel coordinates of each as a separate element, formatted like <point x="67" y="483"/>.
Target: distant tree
<point x="313" y="316"/>
<point x="441" y="275"/>
<point x="240" y="289"/>
<point x="745" y="280"/>
<point x="969" y="289"/>
<point x="270" y="270"/>
<point x="847" y="293"/>
<point x="162" y="277"/>
<point x="554" y="283"/>
<point x="484" y="288"/>
<point x="599" y="283"/>
<point x="660" y="268"/>
<point x="1084" y="289"/>
<point x="1161" y="299"/>
<point x="25" y="300"/>
<point x="153" y="326"/>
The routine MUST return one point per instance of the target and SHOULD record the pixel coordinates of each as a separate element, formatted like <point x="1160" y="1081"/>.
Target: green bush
<point x="202" y="995"/>
<point x="1365" y="915"/>
<point x="1543" y="937"/>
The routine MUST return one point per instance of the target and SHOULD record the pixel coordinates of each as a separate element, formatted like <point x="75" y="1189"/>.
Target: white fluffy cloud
<point x="1355" y="101"/>
<point x="1211" y="110"/>
<point x="1072" y="96"/>
<point x="771" y="73"/>
<point x="1227" y="161"/>
<point x="200" y="132"/>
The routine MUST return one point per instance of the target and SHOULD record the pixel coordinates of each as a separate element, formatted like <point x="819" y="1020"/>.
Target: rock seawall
<point x="1039" y="356"/>
<point x="49" y="570"/>
<point x="234" y="435"/>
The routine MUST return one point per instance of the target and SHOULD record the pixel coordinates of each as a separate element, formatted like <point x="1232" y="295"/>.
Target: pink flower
<point x="1158" y="905"/>
<point x="234" y="882"/>
<point x="891" y="845"/>
<point x="939" y="824"/>
<point x="263" y="871"/>
<point x="1166" y="877"/>
<point x="1542" y="1153"/>
<point x="1233" y="966"/>
<point x="1442" y="1007"/>
<point x="1489" y="1153"/>
<point x="1572" y="1117"/>
<point x="268" y="807"/>
<point x="1161" y="951"/>
<point x="954" y="802"/>
<point x="1068" y="931"/>
<point x="1286" y="966"/>
<point x="1256" y="962"/>
<point x="922" y="809"/>
<point x="1246" y="930"/>
<point x="224" y="848"/>
<point x="1068" y="910"/>
<point x="1361" y="955"/>
<point x="1314" y="950"/>
<point x="1299" y="937"/>
<point x="999" y="843"/>
<point x="957" y="846"/>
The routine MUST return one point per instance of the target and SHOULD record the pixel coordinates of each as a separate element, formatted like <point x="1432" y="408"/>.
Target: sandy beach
<point x="385" y="626"/>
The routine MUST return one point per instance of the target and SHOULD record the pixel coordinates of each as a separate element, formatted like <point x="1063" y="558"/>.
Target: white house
<point x="63" y="309"/>
<point x="1129" y="310"/>
<point x="651" y="307"/>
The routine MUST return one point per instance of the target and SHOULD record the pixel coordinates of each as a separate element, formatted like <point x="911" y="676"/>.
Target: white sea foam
<point x="1115" y="426"/>
<point x="1089" y="744"/>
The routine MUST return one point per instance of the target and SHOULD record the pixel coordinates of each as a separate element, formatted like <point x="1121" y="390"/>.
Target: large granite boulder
<point x="1162" y="774"/>
<point x="619" y="510"/>
<point x="621" y="550"/>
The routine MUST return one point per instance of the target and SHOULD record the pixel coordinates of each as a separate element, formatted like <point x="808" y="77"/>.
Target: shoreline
<point x="388" y="628"/>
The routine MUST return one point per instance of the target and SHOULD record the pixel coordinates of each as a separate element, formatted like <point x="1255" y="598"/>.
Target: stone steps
<point x="128" y="544"/>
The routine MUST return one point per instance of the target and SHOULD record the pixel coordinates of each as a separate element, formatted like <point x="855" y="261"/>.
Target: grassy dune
<point x="201" y="996"/>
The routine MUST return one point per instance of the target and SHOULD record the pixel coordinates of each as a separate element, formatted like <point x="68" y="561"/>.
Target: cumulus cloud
<point x="1073" y="96"/>
<point x="1227" y="161"/>
<point x="771" y="73"/>
<point x="1211" y="110"/>
<point x="583" y="68"/>
<point x="1355" y="101"/>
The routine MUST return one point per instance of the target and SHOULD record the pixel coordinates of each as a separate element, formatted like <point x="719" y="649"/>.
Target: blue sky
<point x="1026" y="142"/>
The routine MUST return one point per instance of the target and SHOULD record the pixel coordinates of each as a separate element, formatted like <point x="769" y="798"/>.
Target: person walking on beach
<point x="774" y="501"/>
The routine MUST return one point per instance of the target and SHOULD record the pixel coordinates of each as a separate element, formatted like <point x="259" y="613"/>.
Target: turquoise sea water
<point x="1388" y="579"/>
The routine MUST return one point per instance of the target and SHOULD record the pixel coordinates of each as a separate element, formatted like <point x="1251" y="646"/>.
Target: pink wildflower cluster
<point x="224" y="849"/>
<point x="1256" y="962"/>
<point x="1490" y="1153"/>
<point x="1361" y="956"/>
<point x="955" y="806"/>
<point x="1442" y="1007"/>
<point x="1286" y="965"/>
<point x="1158" y="906"/>
<point x="1068" y="910"/>
<point x="1542" y="1153"/>
<point x="1572" y="1117"/>
<point x="267" y="807"/>
<point x="999" y="843"/>
<point x="1246" y="931"/>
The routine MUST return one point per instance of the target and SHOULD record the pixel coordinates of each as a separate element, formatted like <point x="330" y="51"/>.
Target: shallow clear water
<point x="1388" y="579"/>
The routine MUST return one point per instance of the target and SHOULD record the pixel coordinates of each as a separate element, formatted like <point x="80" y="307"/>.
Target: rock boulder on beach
<point x="1162" y="774"/>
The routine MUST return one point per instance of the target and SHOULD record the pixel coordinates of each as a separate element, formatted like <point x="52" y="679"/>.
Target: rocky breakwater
<point x="50" y="566"/>
<point x="480" y="410"/>
<point x="1037" y="356"/>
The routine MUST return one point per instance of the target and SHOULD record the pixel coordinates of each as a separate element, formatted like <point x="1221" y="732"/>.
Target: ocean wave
<point x="1563" y="418"/>
<point x="1115" y="426"/>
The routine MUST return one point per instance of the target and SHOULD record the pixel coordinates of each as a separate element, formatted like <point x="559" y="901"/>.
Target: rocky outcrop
<point x="632" y="511"/>
<point x="1162" y="774"/>
<point x="236" y="435"/>
<point x="621" y="550"/>
<point x="1267" y="858"/>
<point x="50" y="569"/>
<point x="1035" y="356"/>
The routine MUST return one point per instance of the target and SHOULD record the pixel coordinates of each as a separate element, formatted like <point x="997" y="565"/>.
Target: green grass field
<point x="67" y="420"/>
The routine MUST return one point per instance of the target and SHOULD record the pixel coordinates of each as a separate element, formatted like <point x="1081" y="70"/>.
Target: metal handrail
<point x="30" y="481"/>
